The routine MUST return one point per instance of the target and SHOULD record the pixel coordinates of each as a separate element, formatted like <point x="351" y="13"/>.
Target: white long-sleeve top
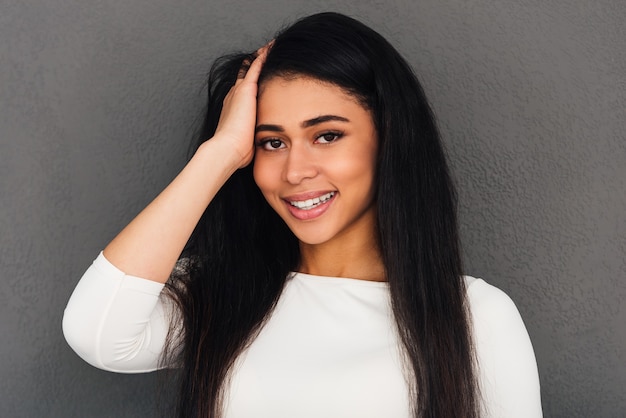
<point x="329" y="348"/>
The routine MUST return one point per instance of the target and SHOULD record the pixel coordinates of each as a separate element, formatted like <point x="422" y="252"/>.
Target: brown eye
<point x="271" y="144"/>
<point x="328" y="137"/>
<point x="275" y="143"/>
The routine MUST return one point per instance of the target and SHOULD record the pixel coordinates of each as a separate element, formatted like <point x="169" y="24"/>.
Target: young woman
<point x="320" y="272"/>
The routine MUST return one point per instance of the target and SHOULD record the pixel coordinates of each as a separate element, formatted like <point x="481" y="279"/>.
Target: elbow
<point x="80" y="337"/>
<point x="105" y="351"/>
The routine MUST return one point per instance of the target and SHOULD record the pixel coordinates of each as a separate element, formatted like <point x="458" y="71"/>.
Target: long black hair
<point x="241" y="251"/>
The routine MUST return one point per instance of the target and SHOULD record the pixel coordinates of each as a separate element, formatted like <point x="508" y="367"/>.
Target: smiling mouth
<point x="311" y="203"/>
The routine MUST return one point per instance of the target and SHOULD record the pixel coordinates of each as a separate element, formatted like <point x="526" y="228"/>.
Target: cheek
<point x="264" y="175"/>
<point x="267" y="180"/>
<point x="361" y="172"/>
<point x="257" y="173"/>
<point x="359" y="165"/>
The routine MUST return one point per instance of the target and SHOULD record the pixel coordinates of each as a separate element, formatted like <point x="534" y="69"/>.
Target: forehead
<point x="304" y="97"/>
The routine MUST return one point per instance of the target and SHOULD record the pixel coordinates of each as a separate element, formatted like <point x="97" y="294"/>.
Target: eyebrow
<point x="306" y="124"/>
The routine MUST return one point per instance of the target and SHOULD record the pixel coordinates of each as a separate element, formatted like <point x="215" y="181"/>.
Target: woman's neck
<point x="356" y="259"/>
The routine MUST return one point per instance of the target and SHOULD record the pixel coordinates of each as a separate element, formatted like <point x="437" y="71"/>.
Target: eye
<point x="328" y="137"/>
<point x="271" y="144"/>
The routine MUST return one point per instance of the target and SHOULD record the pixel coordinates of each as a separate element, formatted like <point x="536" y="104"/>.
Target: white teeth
<point x="311" y="203"/>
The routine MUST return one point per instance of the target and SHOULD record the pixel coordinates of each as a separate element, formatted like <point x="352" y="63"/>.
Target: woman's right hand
<point x="149" y="246"/>
<point x="237" y="120"/>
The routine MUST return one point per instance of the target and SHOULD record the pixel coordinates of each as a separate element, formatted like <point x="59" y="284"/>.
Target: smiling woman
<point x="323" y="279"/>
<point x="315" y="164"/>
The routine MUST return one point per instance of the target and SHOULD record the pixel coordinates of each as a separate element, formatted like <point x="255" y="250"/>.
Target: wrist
<point x="230" y="150"/>
<point x="218" y="151"/>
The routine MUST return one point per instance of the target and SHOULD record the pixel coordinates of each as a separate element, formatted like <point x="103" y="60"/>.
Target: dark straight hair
<point x="241" y="251"/>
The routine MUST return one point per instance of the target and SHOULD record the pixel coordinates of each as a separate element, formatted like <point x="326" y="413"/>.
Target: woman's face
<point x="315" y="159"/>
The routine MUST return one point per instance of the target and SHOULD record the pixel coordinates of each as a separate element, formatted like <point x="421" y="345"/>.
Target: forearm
<point x="150" y="244"/>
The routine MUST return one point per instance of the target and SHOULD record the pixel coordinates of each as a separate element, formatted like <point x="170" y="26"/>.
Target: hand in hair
<point x="236" y="123"/>
<point x="149" y="246"/>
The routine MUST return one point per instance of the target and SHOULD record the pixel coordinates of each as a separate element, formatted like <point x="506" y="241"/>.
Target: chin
<point x="315" y="237"/>
<point x="319" y="231"/>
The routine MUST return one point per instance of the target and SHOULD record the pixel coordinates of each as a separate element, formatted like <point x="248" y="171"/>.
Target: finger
<point x="243" y="69"/>
<point x="252" y="65"/>
<point x="255" y="67"/>
<point x="265" y="49"/>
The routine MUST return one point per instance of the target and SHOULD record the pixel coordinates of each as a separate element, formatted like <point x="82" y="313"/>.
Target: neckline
<point x="333" y="280"/>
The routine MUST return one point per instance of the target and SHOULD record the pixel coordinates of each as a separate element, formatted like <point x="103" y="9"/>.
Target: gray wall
<point x="97" y="100"/>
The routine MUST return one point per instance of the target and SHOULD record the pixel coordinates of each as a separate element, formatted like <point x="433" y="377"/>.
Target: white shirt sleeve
<point x="117" y="322"/>
<point x="506" y="361"/>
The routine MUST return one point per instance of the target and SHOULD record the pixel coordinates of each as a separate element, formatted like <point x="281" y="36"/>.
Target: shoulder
<point x="509" y="381"/>
<point x="494" y="317"/>
<point x="489" y="304"/>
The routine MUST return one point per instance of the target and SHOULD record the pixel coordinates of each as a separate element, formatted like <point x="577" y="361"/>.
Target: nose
<point x="300" y="165"/>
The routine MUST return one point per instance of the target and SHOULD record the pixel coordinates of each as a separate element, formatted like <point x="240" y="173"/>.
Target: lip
<point x="306" y="196"/>
<point x="317" y="211"/>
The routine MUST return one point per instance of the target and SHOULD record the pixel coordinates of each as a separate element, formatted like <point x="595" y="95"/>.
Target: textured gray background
<point x="98" y="99"/>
